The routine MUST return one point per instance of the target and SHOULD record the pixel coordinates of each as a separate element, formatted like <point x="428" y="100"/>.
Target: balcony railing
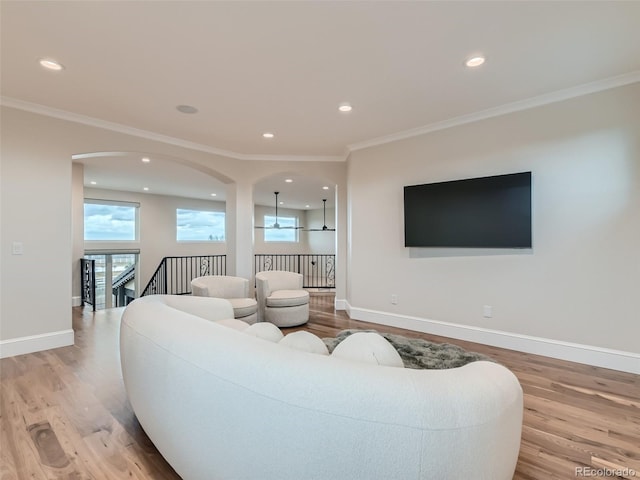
<point x="174" y="274"/>
<point x="88" y="269"/>
<point x="318" y="270"/>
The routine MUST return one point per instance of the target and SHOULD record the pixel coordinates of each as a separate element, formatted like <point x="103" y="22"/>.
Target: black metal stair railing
<point x="119" y="286"/>
<point x="318" y="270"/>
<point x="88" y="269"/>
<point x="174" y="274"/>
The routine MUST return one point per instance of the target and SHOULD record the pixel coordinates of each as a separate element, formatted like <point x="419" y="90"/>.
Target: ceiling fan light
<point x="324" y="217"/>
<point x="276" y="225"/>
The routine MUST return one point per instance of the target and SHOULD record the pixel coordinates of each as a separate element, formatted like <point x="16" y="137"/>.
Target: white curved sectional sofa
<point x="223" y="405"/>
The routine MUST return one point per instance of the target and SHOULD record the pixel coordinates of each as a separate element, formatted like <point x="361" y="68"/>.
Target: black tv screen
<point x="487" y="212"/>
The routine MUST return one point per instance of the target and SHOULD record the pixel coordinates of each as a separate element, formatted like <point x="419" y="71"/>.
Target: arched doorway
<point x="179" y="218"/>
<point x="295" y="228"/>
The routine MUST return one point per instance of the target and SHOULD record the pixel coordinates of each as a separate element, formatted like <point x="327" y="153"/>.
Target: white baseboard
<point x="76" y="301"/>
<point x="573" y="352"/>
<point x="340" y="304"/>
<point x="35" y="343"/>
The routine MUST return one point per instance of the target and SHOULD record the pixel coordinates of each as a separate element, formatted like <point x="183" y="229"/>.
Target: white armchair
<point x="281" y="299"/>
<point x="234" y="289"/>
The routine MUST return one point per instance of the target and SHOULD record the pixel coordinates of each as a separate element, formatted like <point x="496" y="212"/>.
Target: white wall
<point x="581" y="282"/>
<point x="157" y="228"/>
<point x="35" y="182"/>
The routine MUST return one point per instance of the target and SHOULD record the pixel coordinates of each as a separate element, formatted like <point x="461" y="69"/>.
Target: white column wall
<point x="244" y="240"/>
<point x="77" y="223"/>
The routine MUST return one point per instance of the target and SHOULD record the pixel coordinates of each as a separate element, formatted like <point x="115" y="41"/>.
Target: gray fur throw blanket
<point x="418" y="353"/>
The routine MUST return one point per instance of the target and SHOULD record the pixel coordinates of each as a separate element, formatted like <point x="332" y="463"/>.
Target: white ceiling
<point x="167" y="176"/>
<point x="161" y="175"/>
<point x="284" y="67"/>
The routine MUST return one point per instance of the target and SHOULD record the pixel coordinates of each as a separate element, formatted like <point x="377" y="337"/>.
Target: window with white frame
<point x="199" y="226"/>
<point x="106" y="220"/>
<point x="287" y="231"/>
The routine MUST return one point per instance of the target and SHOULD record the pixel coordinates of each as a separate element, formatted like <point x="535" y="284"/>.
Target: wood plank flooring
<point x="64" y="412"/>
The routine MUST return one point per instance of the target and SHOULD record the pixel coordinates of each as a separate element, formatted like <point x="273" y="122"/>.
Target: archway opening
<point x="295" y="228"/>
<point x="179" y="220"/>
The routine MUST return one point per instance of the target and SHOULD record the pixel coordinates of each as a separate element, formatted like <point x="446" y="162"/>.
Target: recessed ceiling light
<point x="93" y="182"/>
<point x="146" y="159"/>
<point x="146" y="189"/>
<point x="306" y="206"/>
<point x="268" y="135"/>
<point x="325" y="188"/>
<point x="186" y="109"/>
<point x="289" y="180"/>
<point x="281" y="203"/>
<point x="51" y="64"/>
<point x="214" y="194"/>
<point x="475" y="61"/>
<point x="345" y="107"/>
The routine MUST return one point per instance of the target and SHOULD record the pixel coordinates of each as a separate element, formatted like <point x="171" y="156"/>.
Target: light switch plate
<point x="17" y="248"/>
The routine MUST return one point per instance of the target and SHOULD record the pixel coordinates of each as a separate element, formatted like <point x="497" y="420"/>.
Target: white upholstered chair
<point x="281" y="299"/>
<point x="234" y="289"/>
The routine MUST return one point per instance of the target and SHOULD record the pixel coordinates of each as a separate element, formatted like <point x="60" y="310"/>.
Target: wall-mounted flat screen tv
<point x="487" y="212"/>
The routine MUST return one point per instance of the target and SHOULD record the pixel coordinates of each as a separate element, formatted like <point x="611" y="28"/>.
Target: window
<point x="284" y="234"/>
<point x="105" y="220"/>
<point x="200" y="226"/>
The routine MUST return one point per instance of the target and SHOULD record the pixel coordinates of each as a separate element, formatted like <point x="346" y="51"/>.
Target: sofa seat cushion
<point x="243" y="307"/>
<point x="288" y="298"/>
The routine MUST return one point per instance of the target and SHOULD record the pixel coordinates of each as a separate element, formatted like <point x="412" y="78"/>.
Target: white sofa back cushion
<point x="368" y="347"/>
<point x="220" y="286"/>
<point x="266" y="331"/>
<point x="278" y="280"/>
<point x="306" y="342"/>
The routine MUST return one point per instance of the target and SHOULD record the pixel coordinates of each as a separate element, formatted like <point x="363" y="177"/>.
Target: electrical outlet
<point x="487" y="311"/>
<point x="394" y="299"/>
<point x="17" y="248"/>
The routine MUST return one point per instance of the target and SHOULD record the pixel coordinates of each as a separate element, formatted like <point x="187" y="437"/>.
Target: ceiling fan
<point x="324" y="223"/>
<point x="276" y="225"/>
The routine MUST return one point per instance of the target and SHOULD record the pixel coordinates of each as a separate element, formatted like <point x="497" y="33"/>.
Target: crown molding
<point x="136" y="132"/>
<point x="520" y="105"/>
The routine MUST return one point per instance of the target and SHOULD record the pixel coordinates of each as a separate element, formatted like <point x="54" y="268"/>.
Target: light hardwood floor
<point x="64" y="412"/>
